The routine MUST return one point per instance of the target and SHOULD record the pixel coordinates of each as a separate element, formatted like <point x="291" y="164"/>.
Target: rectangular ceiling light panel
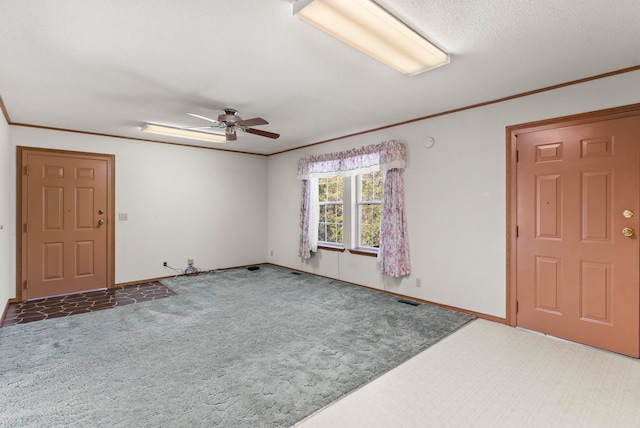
<point x="183" y="133"/>
<point x="366" y="26"/>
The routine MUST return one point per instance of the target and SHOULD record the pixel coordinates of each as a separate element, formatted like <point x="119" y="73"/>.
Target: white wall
<point x="217" y="207"/>
<point x="455" y="195"/>
<point x="7" y="223"/>
<point x="182" y="202"/>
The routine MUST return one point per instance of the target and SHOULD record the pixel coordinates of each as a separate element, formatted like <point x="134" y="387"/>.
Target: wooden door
<point x="66" y="223"/>
<point x="577" y="273"/>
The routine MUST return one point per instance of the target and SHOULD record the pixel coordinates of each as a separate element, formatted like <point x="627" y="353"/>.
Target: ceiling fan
<point x="231" y="122"/>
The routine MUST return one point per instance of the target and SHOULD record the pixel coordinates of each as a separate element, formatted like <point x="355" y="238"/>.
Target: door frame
<point x="512" y="190"/>
<point x="21" y="212"/>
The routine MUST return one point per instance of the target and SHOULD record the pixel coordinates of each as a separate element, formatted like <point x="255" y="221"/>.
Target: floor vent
<point x="408" y="302"/>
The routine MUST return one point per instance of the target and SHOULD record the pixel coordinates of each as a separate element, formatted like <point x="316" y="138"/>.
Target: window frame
<point x="321" y="204"/>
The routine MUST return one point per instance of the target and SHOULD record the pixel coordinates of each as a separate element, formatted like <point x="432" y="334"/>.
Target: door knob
<point x="102" y="212"/>
<point x="627" y="213"/>
<point x="627" y="231"/>
<point x="101" y="222"/>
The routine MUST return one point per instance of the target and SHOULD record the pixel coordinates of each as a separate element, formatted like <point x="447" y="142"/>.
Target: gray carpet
<point x="234" y="349"/>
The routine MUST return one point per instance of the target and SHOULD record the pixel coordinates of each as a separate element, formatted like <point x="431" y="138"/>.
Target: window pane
<point x="369" y="225"/>
<point x="376" y="209"/>
<point x="322" y="234"/>
<point x="332" y="233"/>
<point x="322" y="189"/>
<point x="364" y="216"/>
<point x="322" y="214"/>
<point x="370" y="187"/>
<point x="364" y="192"/>
<point x="367" y="239"/>
<point x="375" y="224"/>
<point x="334" y="189"/>
<point x="377" y="186"/>
<point x="332" y="192"/>
<point x="331" y="210"/>
<point x="365" y="213"/>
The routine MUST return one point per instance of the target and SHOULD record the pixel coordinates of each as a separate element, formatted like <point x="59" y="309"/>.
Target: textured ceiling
<point x="109" y="66"/>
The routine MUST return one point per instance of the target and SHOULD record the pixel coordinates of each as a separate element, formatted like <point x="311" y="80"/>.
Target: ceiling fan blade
<point x="262" y="133"/>
<point x="202" y="117"/>
<point x="253" y="122"/>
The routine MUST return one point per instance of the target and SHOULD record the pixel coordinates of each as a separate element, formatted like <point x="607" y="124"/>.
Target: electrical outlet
<point x="123" y="216"/>
<point x="271" y="253"/>
<point x="418" y="282"/>
<point x="164" y="264"/>
<point x="190" y="262"/>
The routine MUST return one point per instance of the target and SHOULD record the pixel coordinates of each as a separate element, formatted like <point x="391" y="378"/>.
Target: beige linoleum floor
<point x="491" y="375"/>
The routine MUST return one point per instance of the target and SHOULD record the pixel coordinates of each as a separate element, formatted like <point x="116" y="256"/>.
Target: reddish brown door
<point x="66" y="230"/>
<point x="577" y="273"/>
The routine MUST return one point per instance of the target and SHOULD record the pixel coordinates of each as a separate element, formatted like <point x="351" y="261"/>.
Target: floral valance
<point x="376" y="157"/>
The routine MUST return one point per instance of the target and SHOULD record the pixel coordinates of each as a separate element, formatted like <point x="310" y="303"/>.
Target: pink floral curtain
<point x="393" y="253"/>
<point x="389" y="157"/>
<point x="305" y="230"/>
<point x="383" y="156"/>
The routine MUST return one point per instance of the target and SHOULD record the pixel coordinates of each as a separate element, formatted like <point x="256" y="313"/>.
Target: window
<point x="337" y="209"/>
<point x="369" y="193"/>
<point x="330" y="198"/>
<point x="390" y="237"/>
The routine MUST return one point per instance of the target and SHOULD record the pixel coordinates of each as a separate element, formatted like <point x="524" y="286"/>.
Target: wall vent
<point x="409" y="302"/>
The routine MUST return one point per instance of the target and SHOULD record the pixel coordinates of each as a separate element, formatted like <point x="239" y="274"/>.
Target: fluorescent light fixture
<point x="183" y="133"/>
<point x="366" y="26"/>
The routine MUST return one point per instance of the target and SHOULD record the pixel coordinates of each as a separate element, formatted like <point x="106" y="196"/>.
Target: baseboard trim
<point x="404" y="296"/>
<point x="144" y="281"/>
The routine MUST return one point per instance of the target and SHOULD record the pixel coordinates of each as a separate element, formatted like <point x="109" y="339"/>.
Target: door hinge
<point x="517" y="306"/>
<point x="517" y="231"/>
<point x="26" y="170"/>
<point x="517" y="156"/>
<point x="26" y="284"/>
<point x="26" y="227"/>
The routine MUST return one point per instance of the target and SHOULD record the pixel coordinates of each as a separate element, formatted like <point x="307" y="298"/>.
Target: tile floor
<point x="72" y="304"/>
<point x="490" y="375"/>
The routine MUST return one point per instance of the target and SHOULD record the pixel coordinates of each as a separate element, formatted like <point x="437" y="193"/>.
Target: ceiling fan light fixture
<point x="366" y="26"/>
<point x="190" y="134"/>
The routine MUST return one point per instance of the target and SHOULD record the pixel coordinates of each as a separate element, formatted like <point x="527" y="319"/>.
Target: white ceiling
<point x="109" y="66"/>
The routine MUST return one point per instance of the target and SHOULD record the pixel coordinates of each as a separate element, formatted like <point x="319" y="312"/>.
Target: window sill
<point x="364" y="252"/>
<point x="330" y="247"/>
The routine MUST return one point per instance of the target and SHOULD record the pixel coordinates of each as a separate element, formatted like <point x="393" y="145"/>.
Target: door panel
<point x="549" y="206"/>
<point x="595" y="290"/>
<point x="547" y="282"/>
<point x="85" y="251"/>
<point x="66" y="244"/>
<point x="577" y="274"/>
<point x="596" y="203"/>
